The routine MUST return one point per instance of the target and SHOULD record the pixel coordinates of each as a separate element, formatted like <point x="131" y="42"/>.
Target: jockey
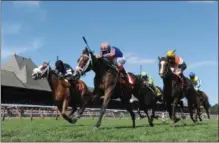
<point x="177" y="64"/>
<point x="196" y="83"/>
<point x="111" y="53"/>
<point x="64" y="69"/>
<point x="148" y="81"/>
<point x="195" y="80"/>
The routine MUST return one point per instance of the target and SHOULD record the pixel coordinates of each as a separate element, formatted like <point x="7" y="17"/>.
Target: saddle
<point x="113" y="67"/>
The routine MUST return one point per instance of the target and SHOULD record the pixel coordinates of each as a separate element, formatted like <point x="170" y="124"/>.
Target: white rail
<point x="22" y="110"/>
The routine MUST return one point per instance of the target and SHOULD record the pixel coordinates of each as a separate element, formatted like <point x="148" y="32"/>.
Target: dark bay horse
<point x="146" y="97"/>
<point x="151" y="97"/>
<point x="173" y="92"/>
<point x="106" y="82"/>
<point x="64" y="94"/>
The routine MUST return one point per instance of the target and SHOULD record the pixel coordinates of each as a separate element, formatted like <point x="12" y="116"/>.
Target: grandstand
<point x="18" y="87"/>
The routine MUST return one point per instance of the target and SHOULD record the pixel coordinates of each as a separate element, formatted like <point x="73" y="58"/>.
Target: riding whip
<point x="86" y="43"/>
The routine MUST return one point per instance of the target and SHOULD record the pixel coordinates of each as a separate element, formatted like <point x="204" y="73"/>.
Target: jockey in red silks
<point x="113" y="54"/>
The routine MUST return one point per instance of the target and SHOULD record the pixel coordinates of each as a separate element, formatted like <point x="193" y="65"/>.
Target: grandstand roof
<point x="16" y="72"/>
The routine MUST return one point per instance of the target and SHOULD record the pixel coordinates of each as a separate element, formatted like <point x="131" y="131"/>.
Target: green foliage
<point x="51" y="130"/>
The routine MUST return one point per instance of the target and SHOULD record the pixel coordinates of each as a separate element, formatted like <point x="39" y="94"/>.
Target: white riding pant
<point x="176" y="71"/>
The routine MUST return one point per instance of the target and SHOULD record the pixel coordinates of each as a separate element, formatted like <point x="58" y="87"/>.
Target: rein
<point x="82" y="70"/>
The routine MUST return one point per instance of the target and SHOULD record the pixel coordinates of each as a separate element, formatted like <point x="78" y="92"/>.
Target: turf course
<point x="49" y="129"/>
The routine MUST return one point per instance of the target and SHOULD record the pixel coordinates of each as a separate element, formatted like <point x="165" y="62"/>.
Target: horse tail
<point x="207" y="101"/>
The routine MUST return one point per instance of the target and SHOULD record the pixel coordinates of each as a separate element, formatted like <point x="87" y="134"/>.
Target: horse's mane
<point x="162" y="58"/>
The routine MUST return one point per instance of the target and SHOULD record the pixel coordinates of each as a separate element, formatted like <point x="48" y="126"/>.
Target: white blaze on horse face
<point x="35" y="71"/>
<point x="162" y="63"/>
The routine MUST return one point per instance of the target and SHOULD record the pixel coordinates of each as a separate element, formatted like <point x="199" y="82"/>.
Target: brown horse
<point x="107" y="82"/>
<point x="173" y="92"/>
<point x="64" y="93"/>
<point x="146" y="96"/>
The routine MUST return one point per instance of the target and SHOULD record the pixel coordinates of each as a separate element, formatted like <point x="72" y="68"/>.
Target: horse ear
<point x="159" y="58"/>
<point x="86" y="50"/>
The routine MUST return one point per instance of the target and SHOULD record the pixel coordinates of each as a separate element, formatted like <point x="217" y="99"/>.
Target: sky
<point x="142" y="30"/>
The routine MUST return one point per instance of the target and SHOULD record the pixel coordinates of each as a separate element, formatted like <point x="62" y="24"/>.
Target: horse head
<point x="164" y="67"/>
<point x="84" y="63"/>
<point x="41" y="71"/>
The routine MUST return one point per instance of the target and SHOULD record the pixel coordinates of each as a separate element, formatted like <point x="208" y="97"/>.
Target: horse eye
<point x="43" y="67"/>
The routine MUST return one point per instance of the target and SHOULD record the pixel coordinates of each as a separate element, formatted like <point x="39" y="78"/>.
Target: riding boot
<point x="154" y="90"/>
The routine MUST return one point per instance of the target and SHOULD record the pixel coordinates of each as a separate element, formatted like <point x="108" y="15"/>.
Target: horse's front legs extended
<point x="106" y="100"/>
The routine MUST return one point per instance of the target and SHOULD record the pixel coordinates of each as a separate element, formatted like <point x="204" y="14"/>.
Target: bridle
<point x="165" y="71"/>
<point x="82" y="70"/>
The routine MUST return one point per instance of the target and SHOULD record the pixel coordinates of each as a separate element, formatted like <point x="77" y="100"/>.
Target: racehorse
<point x="204" y="102"/>
<point x="64" y="93"/>
<point x="173" y="92"/>
<point x="157" y="98"/>
<point x="146" y="97"/>
<point x="107" y="82"/>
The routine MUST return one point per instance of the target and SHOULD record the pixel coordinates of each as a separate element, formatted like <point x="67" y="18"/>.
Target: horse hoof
<point x="151" y="124"/>
<point x="73" y="121"/>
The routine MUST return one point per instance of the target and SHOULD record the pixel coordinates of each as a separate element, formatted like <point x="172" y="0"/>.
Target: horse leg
<point x="103" y="108"/>
<point x="153" y="112"/>
<point x="198" y="108"/>
<point x="139" y="111"/>
<point x="84" y="103"/>
<point x="128" y="107"/>
<point x="149" y="118"/>
<point x="181" y="109"/>
<point x="175" y="120"/>
<point x="191" y="111"/>
<point x="169" y="109"/>
<point x="74" y="108"/>
<point x="63" y="112"/>
<point x="206" y="109"/>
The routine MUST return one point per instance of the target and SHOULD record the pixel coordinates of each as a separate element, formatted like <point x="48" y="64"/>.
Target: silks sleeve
<point x="111" y="54"/>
